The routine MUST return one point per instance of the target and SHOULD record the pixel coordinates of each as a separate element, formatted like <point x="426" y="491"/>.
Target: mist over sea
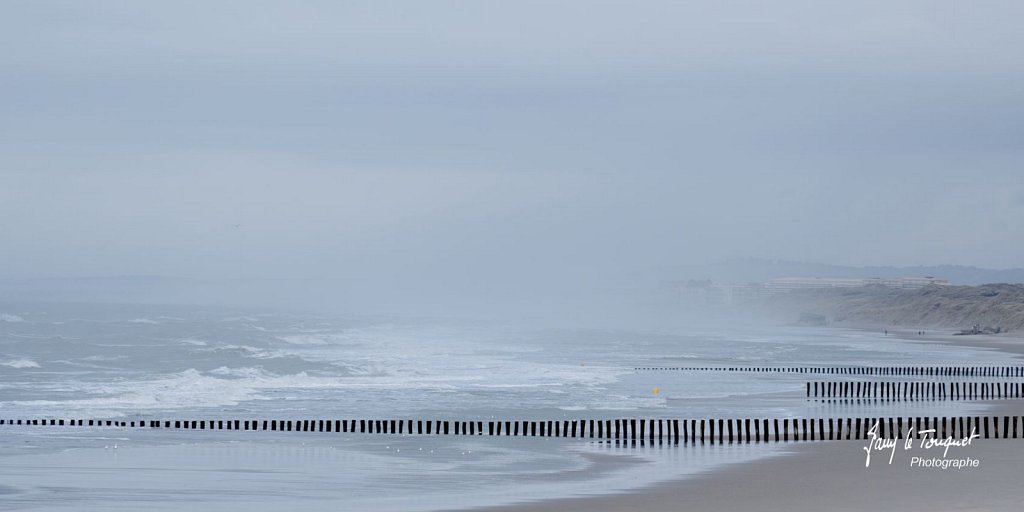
<point x="178" y="362"/>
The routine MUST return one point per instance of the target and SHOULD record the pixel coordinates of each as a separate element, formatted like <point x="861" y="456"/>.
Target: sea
<point x="156" y="362"/>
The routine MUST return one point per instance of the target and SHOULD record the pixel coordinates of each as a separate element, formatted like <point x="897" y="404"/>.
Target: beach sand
<point x="828" y="476"/>
<point x="833" y="476"/>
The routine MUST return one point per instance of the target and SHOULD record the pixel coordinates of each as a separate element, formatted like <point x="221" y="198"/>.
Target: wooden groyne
<point x="684" y="431"/>
<point x="917" y="390"/>
<point x="937" y="371"/>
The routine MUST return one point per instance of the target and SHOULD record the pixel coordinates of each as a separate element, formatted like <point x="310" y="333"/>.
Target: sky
<point x="515" y="142"/>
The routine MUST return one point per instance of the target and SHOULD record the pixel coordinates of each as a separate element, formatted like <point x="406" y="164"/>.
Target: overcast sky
<point x="506" y="139"/>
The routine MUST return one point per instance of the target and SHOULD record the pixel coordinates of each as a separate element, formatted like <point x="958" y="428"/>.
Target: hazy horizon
<point x="525" y="147"/>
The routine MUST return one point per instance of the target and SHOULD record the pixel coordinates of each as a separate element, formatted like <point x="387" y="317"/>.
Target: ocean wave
<point x="573" y="408"/>
<point x="20" y="363"/>
<point x="86" y="363"/>
<point x="244" y="372"/>
<point x="249" y="351"/>
<point x="4" y="317"/>
<point x="103" y="358"/>
<point x="33" y="336"/>
<point x="231" y="385"/>
<point x="143" y="321"/>
<point x="239" y="319"/>
<point x="219" y="388"/>
<point x="307" y="339"/>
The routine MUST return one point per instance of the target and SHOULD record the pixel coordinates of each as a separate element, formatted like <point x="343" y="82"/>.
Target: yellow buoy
<point x="655" y="390"/>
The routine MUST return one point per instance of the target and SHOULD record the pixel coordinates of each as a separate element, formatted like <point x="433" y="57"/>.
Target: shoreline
<point x="1011" y="344"/>
<point x="832" y="475"/>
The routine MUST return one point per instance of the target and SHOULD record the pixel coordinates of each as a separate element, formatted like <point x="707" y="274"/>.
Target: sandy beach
<point x="829" y="476"/>
<point x="833" y="476"/>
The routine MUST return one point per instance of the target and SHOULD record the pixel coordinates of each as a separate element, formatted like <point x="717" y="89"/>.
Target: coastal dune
<point x="954" y="308"/>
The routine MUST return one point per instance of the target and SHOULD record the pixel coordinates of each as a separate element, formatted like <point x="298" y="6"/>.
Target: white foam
<point x="20" y="363"/>
<point x="192" y="388"/>
<point x="102" y="358"/>
<point x="239" y="372"/>
<point x="239" y="319"/>
<point x="143" y="321"/>
<point x="4" y="317"/>
<point x="307" y="339"/>
<point x="249" y="351"/>
<point x="31" y="336"/>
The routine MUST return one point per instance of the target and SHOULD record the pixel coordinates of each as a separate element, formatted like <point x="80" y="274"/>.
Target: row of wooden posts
<point x="945" y="371"/>
<point x="687" y="431"/>
<point x="886" y="390"/>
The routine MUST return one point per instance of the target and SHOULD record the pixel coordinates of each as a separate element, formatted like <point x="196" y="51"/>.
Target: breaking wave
<point x="20" y="363"/>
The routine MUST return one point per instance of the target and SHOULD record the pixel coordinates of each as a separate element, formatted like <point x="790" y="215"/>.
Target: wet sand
<point x="833" y="476"/>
